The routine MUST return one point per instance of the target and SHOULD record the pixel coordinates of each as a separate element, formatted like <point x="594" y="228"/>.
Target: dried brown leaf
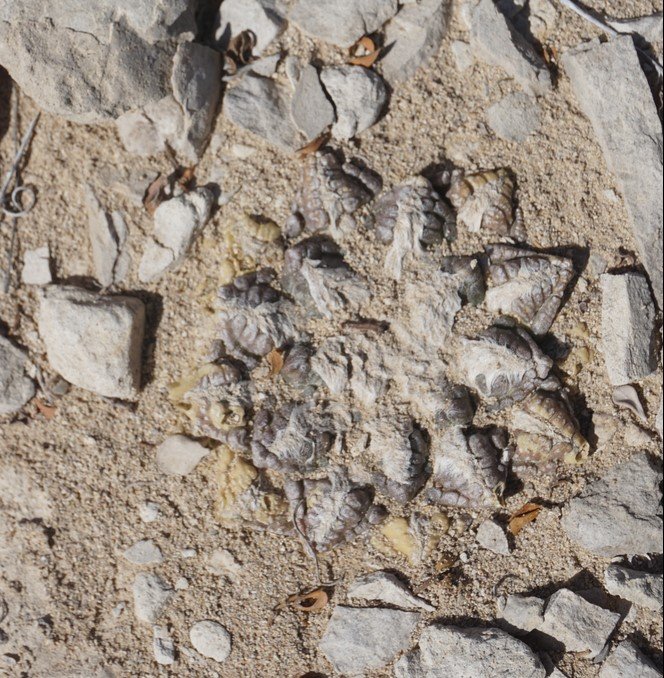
<point x="371" y="53"/>
<point x="313" y="601"/>
<point x="187" y="176"/>
<point x="275" y="359"/>
<point x="368" y="60"/>
<point x="47" y="411"/>
<point x="155" y="194"/>
<point x="314" y="146"/>
<point x="526" y="514"/>
<point x="241" y="47"/>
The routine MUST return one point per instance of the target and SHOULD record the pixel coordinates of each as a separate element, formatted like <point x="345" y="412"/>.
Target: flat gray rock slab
<point x="641" y="588"/>
<point x="144" y="552"/>
<point x="342" y="22"/>
<point x="262" y="107"/>
<point x="151" y="596"/>
<point x="496" y="42"/>
<point x="360" y="639"/>
<point x="579" y="625"/>
<point x="37" y="267"/>
<point x="312" y="111"/>
<point x="387" y="588"/>
<point x="16" y="386"/>
<point x="262" y="17"/>
<point x="211" y="639"/>
<point x="620" y="513"/>
<point x="469" y="653"/>
<point x="413" y="37"/>
<point x="627" y="661"/>
<point x="515" y="117"/>
<point x="629" y="132"/>
<point x="524" y="613"/>
<point x="94" y="341"/>
<point x="628" y="327"/>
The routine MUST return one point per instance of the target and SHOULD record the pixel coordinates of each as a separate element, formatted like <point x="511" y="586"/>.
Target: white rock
<point x="628" y="327"/>
<point x="223" y="562"/>
<point x="151" y="596"/>
<point x="515" y="117"/>
<point x="469" y="653"/>
<point x="162" y="646"/>
<point x="177" y="222"/>
<point x="311" y="109"/>
<point x="659" y="419"/>
<point x="144" y="552"/>
<point x="463" y="55"/>
<point x="579" y="625"/>
<point x="16" y="387"/>
<point x="149" y="512"/>
<point x="491" y="536"/>
<point x="179" y="455"/>
<point x="524" y="613"/>
<point x="641" y="588"/>
<point x="342" y="22"/>
<point x="629" y="131"/>
<point x="259" y="16"/>
<point x="359" y="96"/>
<point x="620" y="513"/>
<point x="627" y="661"/>
<point x="359" y="640"/>
<point x="496" y="42"/>
<point x="181" y="584"/>
<point x="648" y="27"/>
<point x="211" y="639"/>
<point x="413" y="37"/>
<point x="94" y="341"/>
<point x="189" y="553"/>
<point x="37" y="267"/>
<point x="262" y="106"/>
<point x="385" y="587"/>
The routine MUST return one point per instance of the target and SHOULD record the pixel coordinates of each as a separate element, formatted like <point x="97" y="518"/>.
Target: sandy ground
<point x="71" y="486"/>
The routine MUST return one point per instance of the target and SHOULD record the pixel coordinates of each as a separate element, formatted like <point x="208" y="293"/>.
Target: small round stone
<point x="211" y="639"/>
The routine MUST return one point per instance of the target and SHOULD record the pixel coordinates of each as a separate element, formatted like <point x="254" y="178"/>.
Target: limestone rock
<point x="144" y="552"/>
<point x="16" y="387"/>
<point x="94" y="341"/>
<point x="151" y="596"/>
<point x="162" y="646"/>
<point x="515" y="117"/>
<point x="385" y="587"/>
<point x="37" y="267"/>
<point x="211" y="639"/>
<point x="641" y="588"/>
<point x="523" y="613"/>
<point x="311" y="110"/>
<point x="491" y="536"/>
<point x="179" y="455"/>
<point x="262" y="17"/>
<point x="627" y="661"/>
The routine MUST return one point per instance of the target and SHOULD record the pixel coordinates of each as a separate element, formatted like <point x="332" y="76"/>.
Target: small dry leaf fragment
<point x="47" y="411"/>
<point x="187" y="176"/>
<point x="312" y="601"/>
<point x="364" y="53"/>
<point x="275" y="359"/>
<point x="155" y="194"/>
<point x="627" y="397"/>
<point x="314" y="146"/>
<point x="520" y="518"/>
<point x="240" y="51"/>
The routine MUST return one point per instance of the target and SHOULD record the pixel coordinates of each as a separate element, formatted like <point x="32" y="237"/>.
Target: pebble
<point x="181" y="584"/>
<point x="629" y="131"/>
<point x="262" y="106"/>
<point x="496" y="42"/>
<point x="579" y="625"/>
<point x="179" y="455"/>
<point x="635" y="436"/>
<point x="477" y="652"/>
<point x="358" y="640"/>
<point x="414" y="36"/>
<point x="523" y="613"/>
<point x="16" y="386"/>
<point x="311" y="109"/>
<point x="37" y="267"/>
<point x="151" y="596"/>
<point x="144" y="552"/>
<point x="149" y="512"/>
<point x="261" y="17"/>
<point x="641" y="588"/>
<point x="627" y="661"/>
<point x="211" y="639"/>
<point x="189" y="553"/>
<point x="223" y="562"/>
<point x="628" y="326"/>
<point x="342" y="22"/>
<point x="94" y="341"/>
<point x="177" y="222"/>
<point x="618" y="514"/>
<point x="463" y="55"/>
<point x="385" y="587"/>
<point x="491" y="536"/>
<point x="515" y="117"/>
<point x="359" y="96"/>
<point x="162" y="646"/>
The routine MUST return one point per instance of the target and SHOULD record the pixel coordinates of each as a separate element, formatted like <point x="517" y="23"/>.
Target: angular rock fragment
<point x="491" y="536"/>
<point x="108" y="237"/>
<point x="620" y="513"/>
<point x="37" y="267"/>
<point x="628" y="327"/>
<point x="144" y="552"/>
<point x="469" y="653"/>
<point x="630" y="134"/>
<point x="522" y="613"/>
<point x="94" y="342"/>
<point x="627" y="661"/>
<point x="387" y="588"/>
<point x="177" y="222"/>
<point x="163" y="647"/>
<point x="311" y="110"/>
<point x="332" y="190"/>
<point x="180" y="455"/>
<point x="641" y="588"/>
<point x="359" y="640"/>
<point x="496" y="42"/>
<point x="469" y="469"/>
<point x="261" y="17"/>
<point x="413" y="37"/>
<point x="503" y="365"/>
<point x="579" y="625"/>
<point x="151" y="596"/>
<point x="334" y="509"/>
<point x="211" y="639"/>
<point x="359" y="96"/>
<point x="16" y="387"/>
<point x="409" y="218"/>
<point x="515" y="117"/>
<point x="342" y="22"/>
<point x="262" y="106"/>
<point x="526" y="285"/>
